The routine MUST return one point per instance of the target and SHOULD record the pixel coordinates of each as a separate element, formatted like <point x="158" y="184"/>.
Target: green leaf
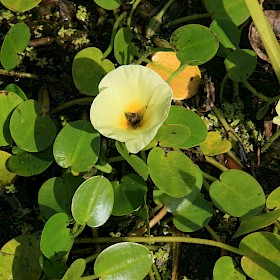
<point x="30" y="130"/>
<point x="20" y="6"/>
<point x="236" y="11"/>
<point x="77" y="146"/>
<point x="136" y="163"/>
<point x="240" y="64"/>
<point x="190" y="41"/>
<point x="237" y="193"/>
<point x="55" y="195"/>
<point x="15" y="42"/>
<point x="19" y="258"/>
<point x="273" y="199"/>
<point x="56" y="239"/>
<point x="88" y="69"/>
<point x="9" y="101"/>
<point x="193" y="217"/>
<point x="17" y="90"/>
<point x="249" y="224"/>
<point x="123" y="261"/>
<point x="7" y="177"/>
<point x="53" y="268"/>
<point x="225" y="269"/>
<point x="262" y="255"/>
<point x="173" y="172"/>
<point x="123" y="47"/>
<point x="129" y="194"/>
<point x="108" y="4"/>
<point x="93" y="202"/>
<point x="228" y="33"/>
<point x="76" y="270"/>
<point x="214" y="144"/>
<point x="29" y="164"/>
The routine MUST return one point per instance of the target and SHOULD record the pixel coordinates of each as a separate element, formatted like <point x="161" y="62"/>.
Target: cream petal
<point x="276" y="120"/>
<point x="278" y="108"/>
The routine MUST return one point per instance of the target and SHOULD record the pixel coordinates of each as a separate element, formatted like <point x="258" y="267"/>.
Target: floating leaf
<point x="240" y="64"/>
<point x="88" y="69"/>
<point x="15" y="42"/>
<point x="53" y="268"/>
<point x="20" y="6"/>
<point x="262" y="255"/>
<point x="228" y="33"/>
<point x="17" y="90"/>
<point x="56" y="239"/>
<point x="30" y="130"/>
<point x="129" y="194"/>
<point x="225" y="269"/>
<point x="173" y="172"/>
<point x="77" y="146"/>
<point x="9" y="101"/>
<point x="237" y="193"/>
<point x="249" y="224"/>
<point x="194" y="44"/>
<point x="93" y="202"/>
<point x="108" y="4"/>
<point x="7" y="177"/>
<point x="29" y="164"/>
<point x="76" y="270"/>
<point x="19" y="258"/>
<point x="136" y="163"/>
<point x="185" y="84"/>
<point x="123" y="261"/>
<point x="55" y="195"/>
<point x="214" y="144"/>
<point x="235" y="11"/>
<point x="123" y="47"/>
<point x="273" y="199"/>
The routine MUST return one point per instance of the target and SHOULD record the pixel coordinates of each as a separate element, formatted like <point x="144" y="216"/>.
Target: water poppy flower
<point x="132" y="104"/>
<point x="276" y="119"/>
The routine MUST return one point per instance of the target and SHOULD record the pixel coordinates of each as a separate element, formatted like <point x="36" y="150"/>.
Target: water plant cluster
<point x="145" y="156"/>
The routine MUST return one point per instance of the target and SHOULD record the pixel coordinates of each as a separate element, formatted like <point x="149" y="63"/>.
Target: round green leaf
<point x="214" y="144"/>
<point x="123" y="47"/>
<point x="88" y="69"/>
<point x="173" y="172"/>
<point x="7" y="177"/>
<point x="9" y="101"/>
<point x="193" y="217"/>
<point x="240" y="64"/>
<point x="228" y="33"/>
<point x="225" y="269"/>
<point x="273" y="199"/>
<point x="176" y="205"/>
<point x="15" y="42"/>
<point x="194" y="44"/>
<point x="15" y="89"/>
<point x="29" y="164"/>
<point x="20" y="6"/>
<point x="55" y="195"/>
<point x="93" y="202"/>
<point x="55" y="269"/>
<point x="76" y="270"/>
<point x="56" y="239"/>
<point x="236" y="11"/>
<point x="123" y="261"/>
<point x="237" y="194"/>
<point x="129" y="194"/>
<point x="108" y="4"/>
<point x="19" y="258"/>
<point x="77" y="146"/>
<point x="262" y="255"/>
<point x="30" y="130"/>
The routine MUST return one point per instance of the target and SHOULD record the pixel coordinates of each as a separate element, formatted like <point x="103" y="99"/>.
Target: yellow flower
<point x="132" y="104"/>
<point x="276" y="119"/>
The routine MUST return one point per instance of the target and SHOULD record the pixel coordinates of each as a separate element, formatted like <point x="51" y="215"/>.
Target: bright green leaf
<point x="273" y="199"/>
<point x="108" y="4"/>
<point x="76" y="270"/>
<point x="20" y="6"/>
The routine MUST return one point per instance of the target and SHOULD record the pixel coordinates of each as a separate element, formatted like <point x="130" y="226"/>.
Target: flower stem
<point x="224" y="80"/>
<point x="78" y="101"/>
<point x="270" y="141"/>
<point x="209" y="177"/>
<point x="186" y="19"/>
<point x="12" y="73"/>
<point x="134" y="6"/>
<point x="163" y="239"/>
<point x="177" y="72"/>
<point x="115" y="159"/>
<point x="114" y="31"/>
<point x="215" y="163"/>
<point x="78" y="231"/>
<point x="254" y="91"/>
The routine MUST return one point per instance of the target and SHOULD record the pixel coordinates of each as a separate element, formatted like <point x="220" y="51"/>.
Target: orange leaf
<point x="185" y="84"/>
